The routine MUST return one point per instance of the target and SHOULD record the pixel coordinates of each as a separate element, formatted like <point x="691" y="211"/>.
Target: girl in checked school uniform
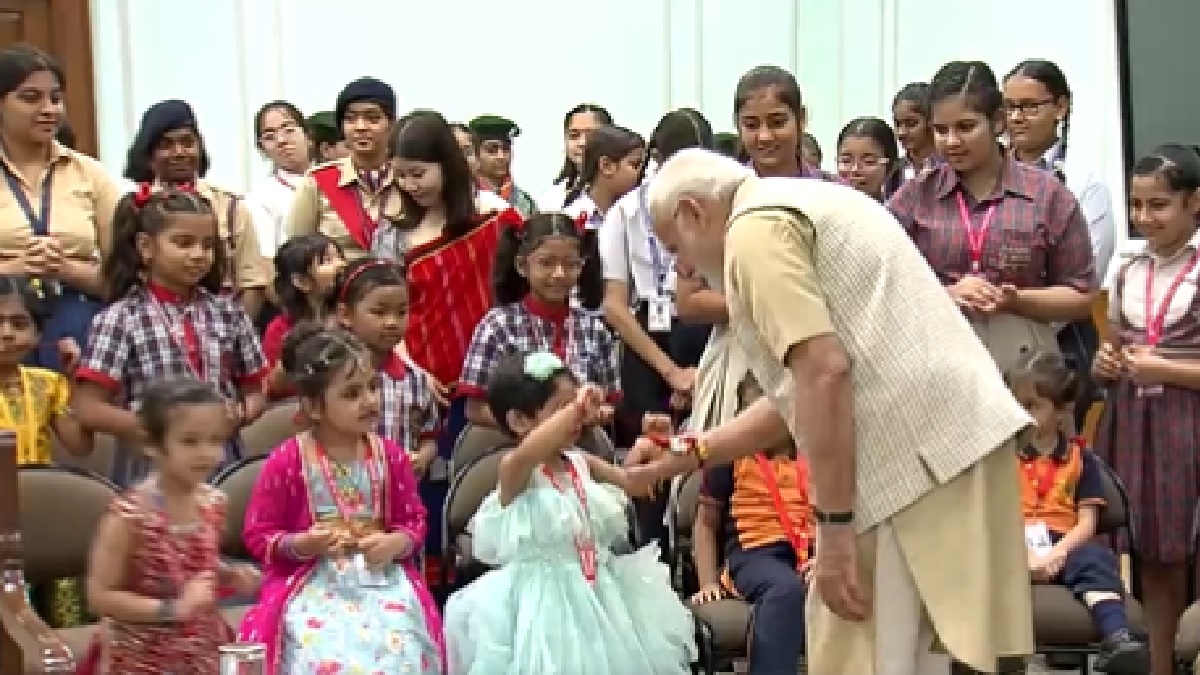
<point x="1150" y="431"/>
<point x="168" y="319"/>
<point x="540" y="262"/>
<point x="337" y="524"/>
<point x="561" y="601"/>
<point x="613" y="158"/>
<point x="372" y="302"/>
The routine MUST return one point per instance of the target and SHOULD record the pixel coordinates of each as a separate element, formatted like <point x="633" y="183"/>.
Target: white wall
<point x="533" y="59"/>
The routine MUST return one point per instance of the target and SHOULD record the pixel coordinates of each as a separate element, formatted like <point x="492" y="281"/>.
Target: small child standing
<point x="371" y="297"/>
<point x="337" y="525"/>
<point x="759" y="506"/>
<point x="169" y="318"/>
<point x="1062" y="495"/>
<point x="562" y="602"/>
<point x="154" y="570"/>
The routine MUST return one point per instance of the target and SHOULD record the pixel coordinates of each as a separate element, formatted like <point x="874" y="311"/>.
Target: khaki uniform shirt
<point x="311" y="211"/>
<point x="82" y="202"/>
<point x="248" y="267"/>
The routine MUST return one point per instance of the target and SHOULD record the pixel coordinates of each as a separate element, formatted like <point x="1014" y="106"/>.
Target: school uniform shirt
<point x="490" y="202"/>
<point x="152" y="334"/>
<point x="1127" y="288"/>
<point x="630" y="253"/>
<point x="81" y="196"/>
<point x="235" y="225"/>
<point x="554" y="198"/>
<point x="408" y="410"/>
<point x="1095" y="201"/>
<point x="584" y="207"/>
<point x="269" y="203"/>
<point x="44" y="396"/>
<point x="1036" y="238"/>
<point x="578" y="337"/>
<point x="350" y="221"/>
<point x="1075" y="480"/>
<point x="512" y="195"/>
<point x="752" y="521"/>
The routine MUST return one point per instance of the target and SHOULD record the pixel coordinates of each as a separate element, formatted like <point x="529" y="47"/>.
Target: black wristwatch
<point x="834" y="518"/>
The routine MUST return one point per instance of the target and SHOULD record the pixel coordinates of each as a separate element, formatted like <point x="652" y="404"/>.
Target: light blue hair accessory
<point x="541" y="366"/>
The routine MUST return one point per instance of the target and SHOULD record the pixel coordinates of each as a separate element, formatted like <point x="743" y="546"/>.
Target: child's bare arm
<point x="1084" y="530"/>
<point x="72" y="436"/>
<point x="94" y="408"/>
<point x="705" y="538"/>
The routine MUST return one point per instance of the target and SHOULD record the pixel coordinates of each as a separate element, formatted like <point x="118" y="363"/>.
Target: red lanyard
<point x="1042" y="474"/>
<point x="799" y="541"/>
<point x="585" y="546"/>
<point x="1155" y="318"/>
<point x="562" y="336"/>
<point x="976" y="236"/>
<point x="345" y="510"/>
<point x="186" y="338"/>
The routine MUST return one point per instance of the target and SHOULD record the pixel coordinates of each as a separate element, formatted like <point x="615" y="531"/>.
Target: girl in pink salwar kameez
<point x="336" y="521"/>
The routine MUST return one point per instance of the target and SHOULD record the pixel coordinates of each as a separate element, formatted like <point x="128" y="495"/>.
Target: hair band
<point x="355" y="274"/>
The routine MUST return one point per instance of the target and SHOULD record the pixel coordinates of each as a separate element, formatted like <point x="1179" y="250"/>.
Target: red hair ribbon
<point x="581" y="221"/>
<point x="143" y="194"/>
<point x="513" y="220"/>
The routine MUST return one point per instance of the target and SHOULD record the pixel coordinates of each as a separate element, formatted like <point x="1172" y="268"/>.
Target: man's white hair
<point x="694" y="172"/>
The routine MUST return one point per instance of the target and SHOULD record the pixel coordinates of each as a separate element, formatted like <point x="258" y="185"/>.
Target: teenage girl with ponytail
<point x="613" y="159"/>
<point x="578" y="123"/>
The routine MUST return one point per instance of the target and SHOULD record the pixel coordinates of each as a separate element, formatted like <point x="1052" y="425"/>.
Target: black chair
<point x="470" y="485"/>
<point x="1187" y="636"/>
<point x="1061" y="622"/>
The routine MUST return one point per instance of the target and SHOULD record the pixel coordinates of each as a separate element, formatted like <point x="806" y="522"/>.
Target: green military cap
<point x="726" y="143"/>
<point x="324" y="127"/>
<point x="494" y="128"/>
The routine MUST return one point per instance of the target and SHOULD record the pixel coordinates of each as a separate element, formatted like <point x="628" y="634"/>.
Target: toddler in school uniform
<point x="758" y="508"/>
<point x="1062" y="496"/>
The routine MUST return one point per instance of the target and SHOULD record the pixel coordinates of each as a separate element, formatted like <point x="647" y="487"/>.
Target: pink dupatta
<point x="280" y="505"/>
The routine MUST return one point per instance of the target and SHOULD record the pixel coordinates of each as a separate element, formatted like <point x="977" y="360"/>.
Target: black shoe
<point x="1123" y="653"/>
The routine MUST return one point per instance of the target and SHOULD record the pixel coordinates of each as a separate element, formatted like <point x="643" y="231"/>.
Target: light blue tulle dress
<point x="538" y="615"/>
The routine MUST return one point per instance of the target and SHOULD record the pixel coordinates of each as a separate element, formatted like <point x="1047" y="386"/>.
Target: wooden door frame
<point x="71" y="45"/>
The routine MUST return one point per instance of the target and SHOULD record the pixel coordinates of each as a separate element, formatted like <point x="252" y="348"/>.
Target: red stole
<point x="347" y="202"/>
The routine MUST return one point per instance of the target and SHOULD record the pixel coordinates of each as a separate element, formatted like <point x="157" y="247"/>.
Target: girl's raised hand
<point x="589" y="399"/>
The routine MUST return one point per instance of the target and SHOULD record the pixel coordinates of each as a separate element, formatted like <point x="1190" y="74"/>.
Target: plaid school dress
<point x="1152" y="440"/>
<point x="408" y="412"/>
<point x="153" y="334"/>
<point x="579" y="338"/>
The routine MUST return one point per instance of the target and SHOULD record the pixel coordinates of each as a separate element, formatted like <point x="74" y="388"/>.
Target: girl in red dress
<point x="155" y="570"/>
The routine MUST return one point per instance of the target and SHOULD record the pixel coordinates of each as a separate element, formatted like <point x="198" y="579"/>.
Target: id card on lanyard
<point x="1041" y="474"/>
<point x="1156" y="316"/>
<point x="660" y="307"/>
<point x="976" y="235"/>
<point x="39" y="223"/>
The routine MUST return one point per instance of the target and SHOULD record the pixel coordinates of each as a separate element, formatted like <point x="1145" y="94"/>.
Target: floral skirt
<point x="335" y="626"/>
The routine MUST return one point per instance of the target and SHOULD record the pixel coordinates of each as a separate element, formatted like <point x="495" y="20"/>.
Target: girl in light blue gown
<point x="560" y="601"/>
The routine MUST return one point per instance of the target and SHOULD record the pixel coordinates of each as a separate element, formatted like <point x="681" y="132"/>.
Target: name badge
<point x="1037" y="538"/>
<point x="367" y="577"/>
<point x="658" y="315"/>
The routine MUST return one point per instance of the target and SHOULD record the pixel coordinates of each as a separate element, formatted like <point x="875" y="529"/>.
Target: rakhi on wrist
<point x="682" y="444"/>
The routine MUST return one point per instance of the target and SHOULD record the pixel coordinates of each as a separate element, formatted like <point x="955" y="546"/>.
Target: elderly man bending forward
<point x="909" y="429"/>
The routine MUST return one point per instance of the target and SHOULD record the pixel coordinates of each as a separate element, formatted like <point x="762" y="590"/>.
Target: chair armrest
<point x="31" y="635"/>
